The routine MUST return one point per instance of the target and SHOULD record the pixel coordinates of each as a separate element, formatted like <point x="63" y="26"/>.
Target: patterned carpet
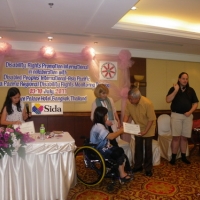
<point x="181" y="182"/>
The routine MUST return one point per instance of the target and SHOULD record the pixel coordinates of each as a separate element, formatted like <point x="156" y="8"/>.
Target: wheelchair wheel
<point x="90" y="165"/>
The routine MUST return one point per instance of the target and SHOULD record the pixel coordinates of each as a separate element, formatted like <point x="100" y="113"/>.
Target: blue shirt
<point x="98" y="136"/>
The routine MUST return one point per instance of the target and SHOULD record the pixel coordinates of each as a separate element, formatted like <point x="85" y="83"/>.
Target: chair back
<point x="196" y="123"/>
<point x="164" y="127"/>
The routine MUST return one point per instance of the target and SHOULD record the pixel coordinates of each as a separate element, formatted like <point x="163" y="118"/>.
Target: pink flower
<point x="3" y="144"/>
<point x="1" y="129"/>
<point x="26" y="138"/>
<point x="6" y="137"/>
<point x="9" y="130"/>
<point x="13" y="140"/>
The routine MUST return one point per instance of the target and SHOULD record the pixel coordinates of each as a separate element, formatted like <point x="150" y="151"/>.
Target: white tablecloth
<point x="47" y="172"/>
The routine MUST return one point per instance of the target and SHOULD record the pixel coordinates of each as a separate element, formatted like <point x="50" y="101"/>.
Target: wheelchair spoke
<point x="90" y="165"/>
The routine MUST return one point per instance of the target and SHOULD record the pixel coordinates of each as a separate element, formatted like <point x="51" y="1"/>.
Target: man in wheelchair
<point x="100" y="136"/>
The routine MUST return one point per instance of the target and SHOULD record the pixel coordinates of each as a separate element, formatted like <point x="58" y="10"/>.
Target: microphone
<point x="27" y="109"/>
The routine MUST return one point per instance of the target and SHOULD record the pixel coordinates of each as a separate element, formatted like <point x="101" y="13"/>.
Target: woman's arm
<point x="4" y="121"/>
<point x="117" y="119"/>
<point x="114" y="113"/>
<point x="114" y="135"/>
<point x="93" y="109"/>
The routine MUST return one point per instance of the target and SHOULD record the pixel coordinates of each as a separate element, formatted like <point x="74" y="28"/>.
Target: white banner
<point x="55" y="108"/>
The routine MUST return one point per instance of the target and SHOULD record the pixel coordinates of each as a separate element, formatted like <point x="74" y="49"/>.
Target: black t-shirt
<point x="183" y="101"/>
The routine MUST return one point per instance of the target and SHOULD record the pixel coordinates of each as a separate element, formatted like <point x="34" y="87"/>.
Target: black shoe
<point x="140" y="169"/>
<point x="186" y="161"/>
<point x="172" y="162"/>
<point x="149" y="173"/>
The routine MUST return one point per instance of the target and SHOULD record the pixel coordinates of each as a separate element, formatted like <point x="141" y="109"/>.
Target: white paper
<point x="131" y="128"/>
<point x="27" y="127"/>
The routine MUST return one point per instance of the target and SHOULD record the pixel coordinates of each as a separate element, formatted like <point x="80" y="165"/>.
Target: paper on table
<point x="27" y="127"/>
<point x="131" y="128"/>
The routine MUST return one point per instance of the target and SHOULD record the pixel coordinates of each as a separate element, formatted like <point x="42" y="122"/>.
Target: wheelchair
<point x="92" y="168"/>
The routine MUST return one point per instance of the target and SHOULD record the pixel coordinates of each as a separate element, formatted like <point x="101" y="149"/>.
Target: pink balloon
<point x="47" y="52"/>
<point x="88" y="53"/>
<point x="124" y="92"/>
<point x="5" y="48"/>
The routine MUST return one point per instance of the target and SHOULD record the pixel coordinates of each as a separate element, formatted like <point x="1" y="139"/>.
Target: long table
<point x="47" y="172"/>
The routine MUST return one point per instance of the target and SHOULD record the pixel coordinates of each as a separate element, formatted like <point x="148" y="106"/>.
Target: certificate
<point x="27" y="127"/>
<point x="131" y="128"/>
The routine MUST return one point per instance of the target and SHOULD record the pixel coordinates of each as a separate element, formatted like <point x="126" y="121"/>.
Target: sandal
<point x="130" y="173"/>
<point x="126" y="179"/>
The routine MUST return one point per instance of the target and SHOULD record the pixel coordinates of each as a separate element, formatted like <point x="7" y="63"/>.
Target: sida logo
<point x="47" y="108"/>
<point x="37" y="108"/>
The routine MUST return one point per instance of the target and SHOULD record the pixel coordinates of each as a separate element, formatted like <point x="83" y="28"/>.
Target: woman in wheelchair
<point x="100" y="136"/>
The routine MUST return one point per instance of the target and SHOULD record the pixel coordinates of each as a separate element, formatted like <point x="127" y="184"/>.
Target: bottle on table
<point x="42" y="132"/>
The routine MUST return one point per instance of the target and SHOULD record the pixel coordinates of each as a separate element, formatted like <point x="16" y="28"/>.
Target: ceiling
<point x="105" y="22"/>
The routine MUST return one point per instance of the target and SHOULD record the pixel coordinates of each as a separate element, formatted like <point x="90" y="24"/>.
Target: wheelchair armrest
<point x="87" y="142"/>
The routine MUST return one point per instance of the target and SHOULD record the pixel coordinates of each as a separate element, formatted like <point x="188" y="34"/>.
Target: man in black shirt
<point x="184" y="102"/>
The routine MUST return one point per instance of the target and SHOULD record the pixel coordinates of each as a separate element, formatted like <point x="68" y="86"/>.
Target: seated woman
<point x="100" y="136"/>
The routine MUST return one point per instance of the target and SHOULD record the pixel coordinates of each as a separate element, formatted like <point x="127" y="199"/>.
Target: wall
<point x="162" y="69"/>
<point x="139" y="68"/>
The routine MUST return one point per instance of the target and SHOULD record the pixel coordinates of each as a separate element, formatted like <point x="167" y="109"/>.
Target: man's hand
<point x="109" y="123"/>
<point x="187" y="114"/>
<point x="142" y="133"/>
<point x="118" y="124"/>
<point x="176" y="87"/>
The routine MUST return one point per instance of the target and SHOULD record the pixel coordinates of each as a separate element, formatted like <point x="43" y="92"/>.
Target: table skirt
<point x="46" y="173"/>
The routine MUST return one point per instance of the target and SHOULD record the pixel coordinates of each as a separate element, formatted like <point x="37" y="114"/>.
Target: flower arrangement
<point x="12" y="140"/>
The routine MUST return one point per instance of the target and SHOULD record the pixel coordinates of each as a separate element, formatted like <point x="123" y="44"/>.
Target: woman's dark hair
<point x="8" y="102"/>
<point x="180" y="75"/>
<point x="99" y="115"/>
